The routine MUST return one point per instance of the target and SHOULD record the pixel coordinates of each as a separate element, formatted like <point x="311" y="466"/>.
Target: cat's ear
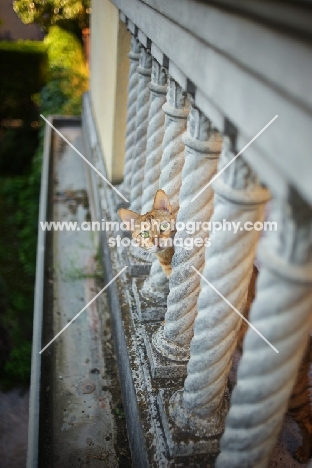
<point x="127" y="215"/>
<point x="161" y="202"/>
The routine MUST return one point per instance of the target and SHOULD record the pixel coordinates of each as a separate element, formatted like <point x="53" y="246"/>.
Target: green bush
<point x="24" y="46"/>
<point x="17" y="366"/>
<point x="19" y="196"/>
<point x="17" y="148"/>
<point x="64" y="50"/>
<point x="68" y="74"/>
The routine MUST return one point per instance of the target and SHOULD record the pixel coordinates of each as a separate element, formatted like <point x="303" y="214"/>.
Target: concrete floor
<point x="86" y="405"/>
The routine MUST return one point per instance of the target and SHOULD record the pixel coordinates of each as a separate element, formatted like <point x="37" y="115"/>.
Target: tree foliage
<point x="48" y="12"/>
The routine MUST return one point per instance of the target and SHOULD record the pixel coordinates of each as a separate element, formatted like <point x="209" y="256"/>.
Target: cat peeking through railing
<point x="154" y="230"/>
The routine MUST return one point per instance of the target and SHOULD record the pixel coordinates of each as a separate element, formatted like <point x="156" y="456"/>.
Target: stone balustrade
<point x="174" y="137"/>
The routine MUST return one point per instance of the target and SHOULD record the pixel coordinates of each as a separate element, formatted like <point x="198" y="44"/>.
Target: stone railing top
<point x="248" y="62"/>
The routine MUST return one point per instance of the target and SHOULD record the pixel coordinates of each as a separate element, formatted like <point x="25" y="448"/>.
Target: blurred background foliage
<point x="68" y="74"/>
<point x="53" y="78"/>
<point x="18" y="112"/>
<point x="50" y="12"/>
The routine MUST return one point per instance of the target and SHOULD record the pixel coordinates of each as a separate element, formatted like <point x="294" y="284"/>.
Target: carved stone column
<point x="155" y="135"/>
<point x="282" y="313"/>
<point x="176" y="111"/>
<point x="134" y="56"/>
<point x="202" y="150"/>
<point x="201" y="406"/>
<point x="142" y="108"/>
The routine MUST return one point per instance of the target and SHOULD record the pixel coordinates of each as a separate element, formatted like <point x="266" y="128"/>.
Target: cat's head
<point x="153" y="230"/>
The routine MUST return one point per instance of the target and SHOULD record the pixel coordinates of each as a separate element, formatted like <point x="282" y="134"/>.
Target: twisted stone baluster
<point x="202" y="150"/>
<point x="228" y="266"/>
<point x="143" y="104"/>
<point x="176" y="111"/>
<point x="155" y="135"/>
<point x="282" y="313"/>
<point x="134" y="56"/>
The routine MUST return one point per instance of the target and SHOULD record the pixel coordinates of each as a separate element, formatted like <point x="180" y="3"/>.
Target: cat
<point x="299" y="405"/>
<point x="154" y="230"/>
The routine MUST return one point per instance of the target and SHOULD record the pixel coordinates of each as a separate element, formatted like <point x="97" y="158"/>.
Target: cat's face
<point x="152" y="230"/>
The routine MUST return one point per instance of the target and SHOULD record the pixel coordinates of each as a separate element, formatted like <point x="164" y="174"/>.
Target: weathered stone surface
<point x="180" y="442"/>
<point x="200" y="426"/>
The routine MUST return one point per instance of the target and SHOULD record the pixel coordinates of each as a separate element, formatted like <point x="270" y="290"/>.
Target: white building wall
<point x="110" y="44"/>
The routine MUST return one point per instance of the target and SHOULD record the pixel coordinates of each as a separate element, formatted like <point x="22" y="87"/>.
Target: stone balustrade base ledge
<point x="149" y="310"/>
<point x="180" y="442"/>
<point x="161" y="367"/>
